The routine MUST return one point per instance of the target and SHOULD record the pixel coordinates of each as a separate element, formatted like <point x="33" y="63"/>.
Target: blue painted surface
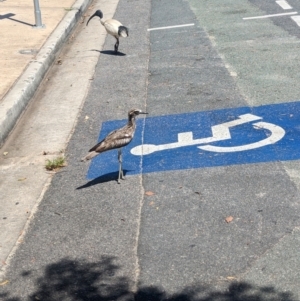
<point x="164" y="129"/>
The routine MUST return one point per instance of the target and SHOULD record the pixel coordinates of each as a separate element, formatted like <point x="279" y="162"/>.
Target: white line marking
<point x="283" y="4"/>
<point x="270" y="16"/>
<point x="296" y="19"/>
<point x="168" y="27"/>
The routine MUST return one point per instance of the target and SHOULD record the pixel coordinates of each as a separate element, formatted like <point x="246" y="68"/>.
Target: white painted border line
<point x="296" y="19"/>
<point x="283" y="4"/>
<point x="169" y="27"/>
<point x="270" y="16"/>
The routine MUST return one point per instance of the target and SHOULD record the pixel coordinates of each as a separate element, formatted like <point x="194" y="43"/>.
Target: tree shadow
<point x="110" y="52"/>
<point x="237" y="291"/>
<point x="80" y="280"/>
<point x="10" y="15"/>
<point x="112" y="176"/>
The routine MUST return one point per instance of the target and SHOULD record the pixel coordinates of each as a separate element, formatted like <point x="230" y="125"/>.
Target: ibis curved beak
<point x="87" y="23"/>
<point x="97" y="13"/>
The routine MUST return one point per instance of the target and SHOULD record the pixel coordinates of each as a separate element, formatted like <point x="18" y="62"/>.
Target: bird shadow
<point x="110" y="52"/>
<point x="112" y="176"/>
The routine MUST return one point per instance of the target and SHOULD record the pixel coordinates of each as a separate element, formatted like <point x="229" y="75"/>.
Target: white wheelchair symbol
<point x="219" y="132"/>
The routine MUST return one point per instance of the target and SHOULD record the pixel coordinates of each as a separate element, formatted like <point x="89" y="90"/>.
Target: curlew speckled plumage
<point x="116" y="139"/>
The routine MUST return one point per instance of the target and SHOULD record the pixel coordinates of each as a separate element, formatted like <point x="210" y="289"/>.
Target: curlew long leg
<point x="121" y="175"/>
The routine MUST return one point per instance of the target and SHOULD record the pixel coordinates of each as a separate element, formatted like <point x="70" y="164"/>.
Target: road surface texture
<point x="226" y="232"/>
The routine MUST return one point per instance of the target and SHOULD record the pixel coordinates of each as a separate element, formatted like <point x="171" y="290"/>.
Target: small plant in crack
<point x="56" y="163"/>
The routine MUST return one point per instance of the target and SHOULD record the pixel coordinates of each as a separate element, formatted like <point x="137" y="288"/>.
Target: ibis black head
<point x="97" y="13"/>
<point x="135" y="112"/>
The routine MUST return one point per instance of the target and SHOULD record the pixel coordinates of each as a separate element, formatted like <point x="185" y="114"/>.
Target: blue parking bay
<point x="205" y="139"/>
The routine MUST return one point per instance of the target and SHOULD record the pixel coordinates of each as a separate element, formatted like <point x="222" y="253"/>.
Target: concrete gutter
<point x="17" y="99"/>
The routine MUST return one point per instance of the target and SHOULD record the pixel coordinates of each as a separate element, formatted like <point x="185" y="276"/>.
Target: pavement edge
<point x="17" y="99"/>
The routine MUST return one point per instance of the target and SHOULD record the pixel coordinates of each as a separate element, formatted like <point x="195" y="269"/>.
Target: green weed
<point x="55" y="163"/>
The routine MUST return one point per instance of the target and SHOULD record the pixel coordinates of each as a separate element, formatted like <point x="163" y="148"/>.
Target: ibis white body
<point x="112" y="27"/>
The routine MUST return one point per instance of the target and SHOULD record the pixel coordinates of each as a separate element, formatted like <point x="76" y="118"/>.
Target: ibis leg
<point x="121" y="175"/>
<point x="117" y="45"/>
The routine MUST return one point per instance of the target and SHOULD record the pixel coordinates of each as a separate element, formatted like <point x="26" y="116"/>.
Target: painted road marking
<point x="219" y="132"/>
<point x="276" y="134"/>
<point x="296" y="19"/>
<point x="169" y="27"/>
<point x="284" y="4"/>
<point x="270" y="16"/>
<point x="205" y="139"/>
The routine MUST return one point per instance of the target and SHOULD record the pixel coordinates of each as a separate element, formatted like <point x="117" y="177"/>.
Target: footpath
<point x="26" y="54"/>
<point x="27" y="51"/>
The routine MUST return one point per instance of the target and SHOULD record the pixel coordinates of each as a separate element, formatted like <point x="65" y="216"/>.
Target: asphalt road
<point x="97" y="240"/>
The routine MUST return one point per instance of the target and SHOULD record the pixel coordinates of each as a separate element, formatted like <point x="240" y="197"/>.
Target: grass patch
<point x="55" y="163"/>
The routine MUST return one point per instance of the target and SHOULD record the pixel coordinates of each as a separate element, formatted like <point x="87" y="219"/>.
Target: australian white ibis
<point x="112" y="26"/>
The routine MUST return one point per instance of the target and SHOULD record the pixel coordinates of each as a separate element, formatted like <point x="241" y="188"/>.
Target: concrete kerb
<point x="17" y="99"/>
